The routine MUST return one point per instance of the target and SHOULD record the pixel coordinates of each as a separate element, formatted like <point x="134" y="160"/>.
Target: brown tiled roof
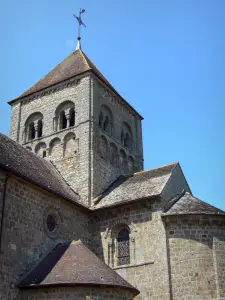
<point x="141" y="185"/>
<point x="27" y="165"/>
<point x="73" y="264"/>
<point x="186" y="204"/>
<point x="74" y="64"/>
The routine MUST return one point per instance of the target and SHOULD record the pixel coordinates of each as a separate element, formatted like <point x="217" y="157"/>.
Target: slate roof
<point x="73" y="264"/>
<point x="187" y="204"/>
<point x="143" y="184"/>
<point x="27" y="165"/>
<point x="74" y="64"/>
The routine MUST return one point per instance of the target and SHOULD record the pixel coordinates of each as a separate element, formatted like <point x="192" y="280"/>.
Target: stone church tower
<point x="78" y="121"/>
<point x="80" y="218"/>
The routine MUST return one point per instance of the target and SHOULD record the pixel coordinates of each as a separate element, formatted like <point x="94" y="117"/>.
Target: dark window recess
<point x="51" y="222"/>
<point x="123" y="247"/>
<point x="72" y="117"/>
<point x="31" y="131"/>
<point x="40" y="128"/>
<point x="63" y="120"/>
<point x="101" y="120"/>
<point x="44" y="154"/>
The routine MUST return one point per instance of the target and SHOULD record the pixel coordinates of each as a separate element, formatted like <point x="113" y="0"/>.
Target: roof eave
<point x="71" y="284"/>
<point x="86" y="209"/>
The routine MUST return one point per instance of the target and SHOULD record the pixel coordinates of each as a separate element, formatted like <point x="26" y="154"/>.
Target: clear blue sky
<point x="166" y="58"/>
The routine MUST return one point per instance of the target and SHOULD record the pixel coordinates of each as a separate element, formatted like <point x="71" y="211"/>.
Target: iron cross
<point x="80" y="22"/>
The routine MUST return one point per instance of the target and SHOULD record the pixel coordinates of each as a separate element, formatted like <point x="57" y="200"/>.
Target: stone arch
<point x="64" y="115"/>
<point x="33" y="127"/>
<point x="55" y="148"/>
<point x="103" y="147"/>
<point x="113" y="155"/>
<point x="70" y="144"/>
<point x="106" y="119"/>
<point x="126" y="136"/>
<point x="112" y="234"/>
<point x="119" y="223"/>
<point x="40" y="149"/>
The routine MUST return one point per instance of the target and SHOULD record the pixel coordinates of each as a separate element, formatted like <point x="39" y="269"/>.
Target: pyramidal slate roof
<point x="141" y="185"/>
<point x="74" y="64"/>
<point x="27" y="165"/>
<point x="73" y="264"/>
<point x="186" y="204"/>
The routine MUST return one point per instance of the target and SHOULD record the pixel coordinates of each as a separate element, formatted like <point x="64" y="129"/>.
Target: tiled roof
<point x="75" y="64"/>
<point x="186" y="204"/>
<point x="73" y="264"/>
<point x="141" y="185"/>
<point x="27" y="165"/>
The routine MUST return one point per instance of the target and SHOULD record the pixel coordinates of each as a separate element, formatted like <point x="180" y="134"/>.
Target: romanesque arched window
<point x="106" y="119"/>
<point x="31" y="133"/>
<point x="72" y="117"/>
<point x="126" y="136"/>
<point x="33" y="127"/>
<point x="64" y="116"/>
<point x="39" y="129"/>
<point x="123" y="247"/>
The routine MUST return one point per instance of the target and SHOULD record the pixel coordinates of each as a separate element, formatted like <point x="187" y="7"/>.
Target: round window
<point x="51" y="222"/>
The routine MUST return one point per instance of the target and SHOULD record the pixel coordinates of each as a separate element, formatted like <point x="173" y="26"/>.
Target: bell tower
<point x="76" y="120"/>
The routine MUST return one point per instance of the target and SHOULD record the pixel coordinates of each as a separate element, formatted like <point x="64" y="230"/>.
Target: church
<point x="80" y="218"/>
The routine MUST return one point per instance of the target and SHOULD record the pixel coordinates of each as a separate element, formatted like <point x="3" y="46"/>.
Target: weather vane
<point x="80" y="22"/>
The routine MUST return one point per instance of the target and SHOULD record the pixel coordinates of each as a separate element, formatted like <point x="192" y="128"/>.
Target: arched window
<point x="126" y="136"/>
<point x="64" y="116"/>
<point x="63" y="120"/>
<point x="106" y="120"/>
<point x="33" y="126"/>
<point x="123" y="244"/>
<point x="100" y="120"/>
<point x="39" y="129"/>
<point x="31" y="134"/>
<point x="72" y="117"/>
<point x="122" y="137"/>
<point x="127" y="141"/>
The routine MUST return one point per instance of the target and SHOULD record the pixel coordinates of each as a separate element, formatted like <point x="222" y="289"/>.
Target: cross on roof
<point x="80" y="22"/>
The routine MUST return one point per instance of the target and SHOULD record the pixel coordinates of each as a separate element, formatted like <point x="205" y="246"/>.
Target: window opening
<point x="72" y="117"/>
<point x="40" y="128"/>
<point x="127" y="140"/>
<point x="51" y="222"/>
<point x="63" y="120"/>
<point x="100" y="120"/>
<point x="31" y="131"/>
<point x="123" y="241"/>
<point x="122" y="137"/>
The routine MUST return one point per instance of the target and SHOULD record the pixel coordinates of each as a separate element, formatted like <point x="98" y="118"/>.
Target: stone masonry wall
<point x="219" y="261"/>
<point x="26" y="237"/>
<point x="101" y="167"/>
<point x="76" y="169"/>
<point x="191" y="256"/>
<point x="78" y="293"/>
<point x="147" y="270"/>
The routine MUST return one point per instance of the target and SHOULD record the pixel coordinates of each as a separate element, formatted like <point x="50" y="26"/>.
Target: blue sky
<point x="166" y="58"/>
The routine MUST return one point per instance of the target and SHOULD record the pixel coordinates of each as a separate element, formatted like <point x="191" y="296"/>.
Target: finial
<point x="79" y="26"/>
